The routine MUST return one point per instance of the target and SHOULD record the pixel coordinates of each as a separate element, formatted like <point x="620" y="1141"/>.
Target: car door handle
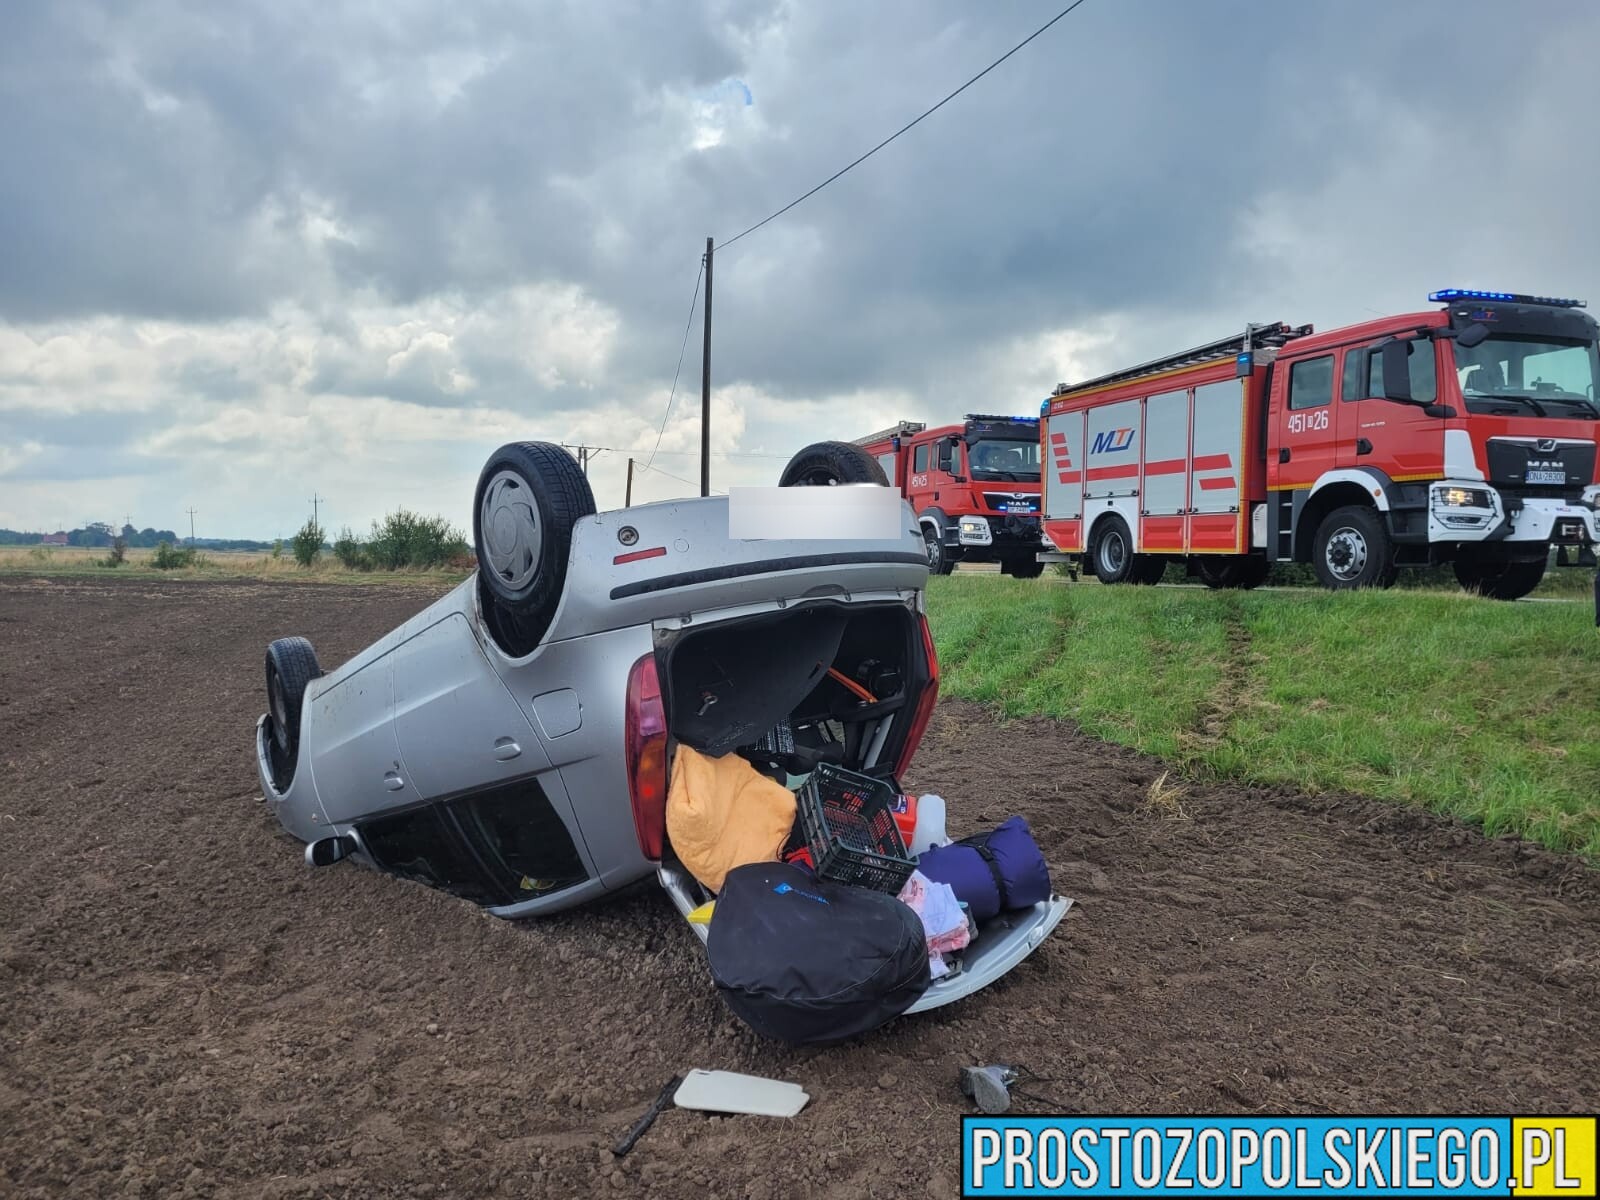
<point x="393" y="781"/>
<point x="1363" y="446"/>
<point x="1283" y="454"/>
<point x="505" y="749"/>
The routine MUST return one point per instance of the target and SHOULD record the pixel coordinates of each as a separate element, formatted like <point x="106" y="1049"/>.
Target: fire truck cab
<point x="974" y="487"/>
<point x="1463" y="435"/>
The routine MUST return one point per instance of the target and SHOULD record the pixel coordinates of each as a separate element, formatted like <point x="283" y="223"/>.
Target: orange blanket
<point x="723" y="813"/>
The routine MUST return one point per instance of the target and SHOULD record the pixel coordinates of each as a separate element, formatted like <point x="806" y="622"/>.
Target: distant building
<point x="53" y="539"/>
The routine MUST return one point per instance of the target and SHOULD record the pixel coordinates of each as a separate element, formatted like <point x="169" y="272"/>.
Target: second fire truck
<point x="1465" y="434"/>
<point x="974" y="487"/>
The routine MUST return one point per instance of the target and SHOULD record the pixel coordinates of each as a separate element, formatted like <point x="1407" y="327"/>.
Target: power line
<point x="687" y="325"/>
<point x="679" y="478"/>
<point x="904" y="128"/>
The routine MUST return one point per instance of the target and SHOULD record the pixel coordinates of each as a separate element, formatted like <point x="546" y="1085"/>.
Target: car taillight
<point x="925" y="703"/>
<point x="647" y="756"/>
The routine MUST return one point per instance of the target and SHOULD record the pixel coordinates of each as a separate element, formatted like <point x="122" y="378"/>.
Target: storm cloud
<point x="251" y="251"/>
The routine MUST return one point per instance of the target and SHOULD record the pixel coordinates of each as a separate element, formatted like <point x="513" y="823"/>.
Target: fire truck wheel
<point x="939" y="562"/>
<point x="1499" y="580"/>
<point x="1147" y="569"/>
<point x="828" y="464"/>
<point x="1353" y="550"/>
<point x="1232" y="571"/>
<point x="1022" y="568"/>
<point x="1113" y="551"/>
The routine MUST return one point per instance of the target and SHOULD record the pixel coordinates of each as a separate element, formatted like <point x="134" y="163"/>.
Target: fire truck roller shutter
<point x="1062" y="472"/>
<point x="1216" y="513"/>
<point x="1165" y="496"/>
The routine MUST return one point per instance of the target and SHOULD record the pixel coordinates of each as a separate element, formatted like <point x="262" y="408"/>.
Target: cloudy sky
<point x="249" y="252"/>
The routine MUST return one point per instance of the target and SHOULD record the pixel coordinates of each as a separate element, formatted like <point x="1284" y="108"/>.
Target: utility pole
<point x="705" y="387"/>
<point x="315" y="499"/>
<point x="627" y="496"/>
<point x="583" y="454"/>
<point x="191" y="526"/>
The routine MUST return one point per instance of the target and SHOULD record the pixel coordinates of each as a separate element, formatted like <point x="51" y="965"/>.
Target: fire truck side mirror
<point x="947" y="456"/>
<point x="1472" y="335"/>
<point x="1396" y="370"/>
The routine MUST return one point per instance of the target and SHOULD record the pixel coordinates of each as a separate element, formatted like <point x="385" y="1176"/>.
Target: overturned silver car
<point x="512" y="743"/>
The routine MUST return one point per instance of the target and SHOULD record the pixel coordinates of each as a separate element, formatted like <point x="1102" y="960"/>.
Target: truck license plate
<point x="1556" y="477"/>
<point x="1026" y="506"/>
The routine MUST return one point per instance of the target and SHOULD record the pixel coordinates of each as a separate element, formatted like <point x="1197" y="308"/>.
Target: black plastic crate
<point x="849" y="825"/>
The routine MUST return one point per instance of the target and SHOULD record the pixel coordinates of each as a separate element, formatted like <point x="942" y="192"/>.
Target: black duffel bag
<point x="806" y="961"/>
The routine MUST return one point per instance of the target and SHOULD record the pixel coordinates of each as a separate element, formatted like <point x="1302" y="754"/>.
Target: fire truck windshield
<point x="1538" y="375"/>
<point x="1016" y="462"/>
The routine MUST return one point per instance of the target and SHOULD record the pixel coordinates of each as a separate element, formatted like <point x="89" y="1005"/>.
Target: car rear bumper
<point x="1002" y="942"/>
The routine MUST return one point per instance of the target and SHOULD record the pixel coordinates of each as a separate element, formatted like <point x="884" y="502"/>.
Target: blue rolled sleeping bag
<point x="991" y="871"/>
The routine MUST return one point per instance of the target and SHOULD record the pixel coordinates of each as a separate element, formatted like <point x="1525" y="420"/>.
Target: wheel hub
<point x="512" y="534"/>
<point x="1346" y="554"/>
<point x="1115" y="553"/>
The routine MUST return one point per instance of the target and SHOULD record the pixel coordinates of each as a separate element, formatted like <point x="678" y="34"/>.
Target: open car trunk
<point x="760" y="686"/>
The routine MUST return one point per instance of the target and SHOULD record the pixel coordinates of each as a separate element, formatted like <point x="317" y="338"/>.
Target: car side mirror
<point x="1397" y="370"/>
<point x="324" y="852"/>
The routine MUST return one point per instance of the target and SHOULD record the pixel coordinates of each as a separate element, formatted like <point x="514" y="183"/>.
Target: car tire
<point x="291" y="666"/>
<point x="529" y="497"/>
<point x="1113" y="551"/>
<point x="939" y="561"/>
<point x="1233" y="571"/>
<point x="1353" y="550"/>
<point x="1500" y="580"/>
<point x="829" y="464"/>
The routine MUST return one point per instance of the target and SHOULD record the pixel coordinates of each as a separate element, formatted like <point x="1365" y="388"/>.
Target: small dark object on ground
<point x="992" y="1087"/>
<point x="643" y="1123"/>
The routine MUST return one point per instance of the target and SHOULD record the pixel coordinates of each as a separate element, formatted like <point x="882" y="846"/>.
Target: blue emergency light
<point x="1448" y="295"/>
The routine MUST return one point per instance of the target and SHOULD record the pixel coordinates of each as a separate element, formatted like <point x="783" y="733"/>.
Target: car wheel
<point x="828" y="464"/>
<point x="1500" y="580"/>
<point x="1113" y="552"/>
<point x="1233" y="571"/>
<point x="529" y="497"/>
<point x="1353" y="550"/>
<point x="291" y="666"/>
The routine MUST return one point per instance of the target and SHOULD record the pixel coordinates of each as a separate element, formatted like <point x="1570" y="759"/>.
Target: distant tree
<point x="308" y="543"/>
<point x="170" y="558"/>
<point x="352" y="555"/>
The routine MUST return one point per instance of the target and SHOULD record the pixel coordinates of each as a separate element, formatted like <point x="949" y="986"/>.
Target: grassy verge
<point x="1484" y="710"/>
<point x="81" y="563"/>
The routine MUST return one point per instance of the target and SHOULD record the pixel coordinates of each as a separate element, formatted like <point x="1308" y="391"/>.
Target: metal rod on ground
<point x="627" y="496"/>
<point x="705" y="388"/>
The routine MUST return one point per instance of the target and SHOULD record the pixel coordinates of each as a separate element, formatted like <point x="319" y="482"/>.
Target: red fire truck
<point x="1464" y="434"/>
<point x="974" y="487"/>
